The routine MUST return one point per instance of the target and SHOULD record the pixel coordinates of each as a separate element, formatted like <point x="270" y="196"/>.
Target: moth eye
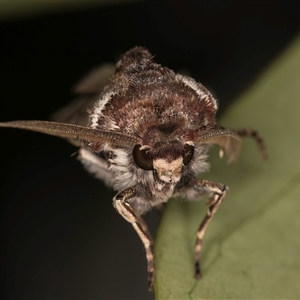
<point x="142" y="158"/>
<point x="188" y="153"/>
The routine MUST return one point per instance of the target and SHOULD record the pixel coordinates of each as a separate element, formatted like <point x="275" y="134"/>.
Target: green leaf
<point x="252" y="247"/>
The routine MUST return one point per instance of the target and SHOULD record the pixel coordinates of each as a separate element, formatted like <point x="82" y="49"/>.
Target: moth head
<point x="166" y="159"/>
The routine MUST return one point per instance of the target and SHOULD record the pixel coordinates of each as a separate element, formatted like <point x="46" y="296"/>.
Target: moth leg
<point x="248" y="132"/>
<point x="126" y="210"/>
<point x="217" y="193"/>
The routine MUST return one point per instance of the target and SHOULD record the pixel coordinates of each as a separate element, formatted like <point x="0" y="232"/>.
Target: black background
<point x="60" y="235"/>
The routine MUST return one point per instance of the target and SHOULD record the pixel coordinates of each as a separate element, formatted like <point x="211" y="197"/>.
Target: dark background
<point x="60" y="235"/>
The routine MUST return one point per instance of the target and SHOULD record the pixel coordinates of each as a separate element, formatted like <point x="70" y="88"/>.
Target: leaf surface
<point x="251" y="248"/>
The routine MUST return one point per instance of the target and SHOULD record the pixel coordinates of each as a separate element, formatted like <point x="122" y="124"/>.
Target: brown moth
<point x="148" y="136"/>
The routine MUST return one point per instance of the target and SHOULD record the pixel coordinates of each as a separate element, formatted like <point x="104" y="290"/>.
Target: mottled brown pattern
<point x="152" y="103"/>
<point x="148" y="138"/>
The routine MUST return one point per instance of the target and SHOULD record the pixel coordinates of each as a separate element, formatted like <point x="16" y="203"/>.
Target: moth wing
<point x="87" y="91"/>
<point x="77" y="112"/>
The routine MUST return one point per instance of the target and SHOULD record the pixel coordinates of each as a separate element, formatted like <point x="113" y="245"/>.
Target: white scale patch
<point x="206" y="96"/>
<point x="97" y="111"/>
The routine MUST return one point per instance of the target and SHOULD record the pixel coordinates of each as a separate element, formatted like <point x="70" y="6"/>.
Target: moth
<point x="148" y="136"/>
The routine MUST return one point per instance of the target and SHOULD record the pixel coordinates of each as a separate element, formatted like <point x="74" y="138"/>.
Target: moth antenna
<point x="248" y="132"/>
<point x="72" y="131"/>
<point x="229" y="142"/>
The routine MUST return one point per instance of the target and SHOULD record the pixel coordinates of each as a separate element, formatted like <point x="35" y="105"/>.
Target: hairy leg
<point x="217" y="192"/>
<point x="195" y="189"/>
<point x="126" y="210"/>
